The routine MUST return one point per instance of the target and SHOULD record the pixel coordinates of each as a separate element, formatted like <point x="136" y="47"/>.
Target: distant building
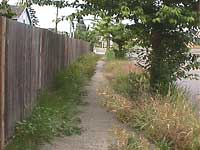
<point x="81" y="25"/>
<point x="195" y="49"/>
<point x="21" y="14"/>
<point x="24" y="15"/>
<point x="103" y="43"/>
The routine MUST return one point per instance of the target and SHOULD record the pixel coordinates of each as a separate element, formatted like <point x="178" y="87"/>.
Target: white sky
<point x="46" y="15"/>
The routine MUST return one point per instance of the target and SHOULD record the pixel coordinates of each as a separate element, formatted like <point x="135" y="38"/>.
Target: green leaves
<point x="5" y="10"/>
<point x="174" y="16"/>
<point x="57" y="3"/>
<point x="125" y="11"/>
<point x="156" y="20"/>
<point x="115" y="31"/>
<point x="164" y="26"/>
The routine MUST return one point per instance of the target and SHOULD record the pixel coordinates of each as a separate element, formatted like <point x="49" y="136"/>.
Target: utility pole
<point x="70" y="29"/>
<point x="199" y="10"/>
<point x="56" y="26"/>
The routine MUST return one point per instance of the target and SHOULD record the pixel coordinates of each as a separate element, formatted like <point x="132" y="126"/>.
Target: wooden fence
<point x="29" y="59"/>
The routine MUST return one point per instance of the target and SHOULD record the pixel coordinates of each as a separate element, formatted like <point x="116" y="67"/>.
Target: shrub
<point x="110" y="55"/>
<point x="120" y="53"/>
<point x="133" y="85"/>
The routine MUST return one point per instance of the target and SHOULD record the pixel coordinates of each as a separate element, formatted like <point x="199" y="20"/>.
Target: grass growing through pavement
<point x="56" y="112"/>
<point x="169" y="122"/>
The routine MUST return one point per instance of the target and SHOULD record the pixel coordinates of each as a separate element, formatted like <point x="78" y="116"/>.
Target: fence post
<point x="2" y="79"/>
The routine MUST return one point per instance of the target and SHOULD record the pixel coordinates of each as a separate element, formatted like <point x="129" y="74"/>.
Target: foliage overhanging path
<point x="97" y="123"/>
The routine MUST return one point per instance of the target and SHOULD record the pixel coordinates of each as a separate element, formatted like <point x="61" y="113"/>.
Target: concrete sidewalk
<point x="97" y="123"/>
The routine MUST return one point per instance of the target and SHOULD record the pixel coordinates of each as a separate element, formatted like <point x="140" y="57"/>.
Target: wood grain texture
<point x="2" y="80"/>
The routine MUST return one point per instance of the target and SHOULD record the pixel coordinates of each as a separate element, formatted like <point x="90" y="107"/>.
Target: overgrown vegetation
<point x="56" y="112"/>
<point x="110" y="55"/>
<point x="169" y="122"/>
<point x="116" y="32"/>
<point x="162" y="27"/>
<point x="85" y="33"/>
<point x="127" y="140"/>
<point x="133" y="85"/>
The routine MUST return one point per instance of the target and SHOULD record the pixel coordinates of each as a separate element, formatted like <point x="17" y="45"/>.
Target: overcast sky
<point x="46" y="15"/>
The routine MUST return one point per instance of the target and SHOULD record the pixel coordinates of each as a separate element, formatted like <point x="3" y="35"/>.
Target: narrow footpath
<point x="97" y="123"/>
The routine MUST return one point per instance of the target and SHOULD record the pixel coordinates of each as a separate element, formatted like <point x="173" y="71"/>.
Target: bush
<point x="110" y="55"/>
<point x="120" y="53"/>
<point x="133" y="85"/>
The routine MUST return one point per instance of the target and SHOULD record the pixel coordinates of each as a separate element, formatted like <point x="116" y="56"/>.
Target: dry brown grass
<point x="169" y="122"/>
<point x="158" y="119"/>
<point x="177" y="123"/>
<point x="126" y="140"/>
<point x="117" y="67"/>
<point x="118" y="104"/>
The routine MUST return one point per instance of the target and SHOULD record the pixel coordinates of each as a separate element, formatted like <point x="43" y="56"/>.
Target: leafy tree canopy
<point x="5" y="10"/>
<point x="57" y="3"/>
<point x="115" y="31"/>
<point x="164" y="26"/>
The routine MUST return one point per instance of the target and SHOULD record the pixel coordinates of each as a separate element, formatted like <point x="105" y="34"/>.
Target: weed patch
<point x="169" y="122"/>
<point x="56" y="112"/>
<point x="126" y="140"/>
<point x="110" y="55"/>
<point x="133" y="85"/>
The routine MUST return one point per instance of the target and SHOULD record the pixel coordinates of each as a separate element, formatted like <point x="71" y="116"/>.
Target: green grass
<point x="133" y="85"/>
<point x="56" y="113"/>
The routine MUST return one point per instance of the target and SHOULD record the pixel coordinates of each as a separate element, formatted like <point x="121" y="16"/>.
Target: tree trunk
<point x="198" y="10"/>
<point x="108" y="42"/>
<point x="159" y="75"/>
<point x="120" y="51"/>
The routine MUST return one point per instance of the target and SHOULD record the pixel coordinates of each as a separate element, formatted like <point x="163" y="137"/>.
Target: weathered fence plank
<point x="2" y="80"/>
<point x="29" y="59"/>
